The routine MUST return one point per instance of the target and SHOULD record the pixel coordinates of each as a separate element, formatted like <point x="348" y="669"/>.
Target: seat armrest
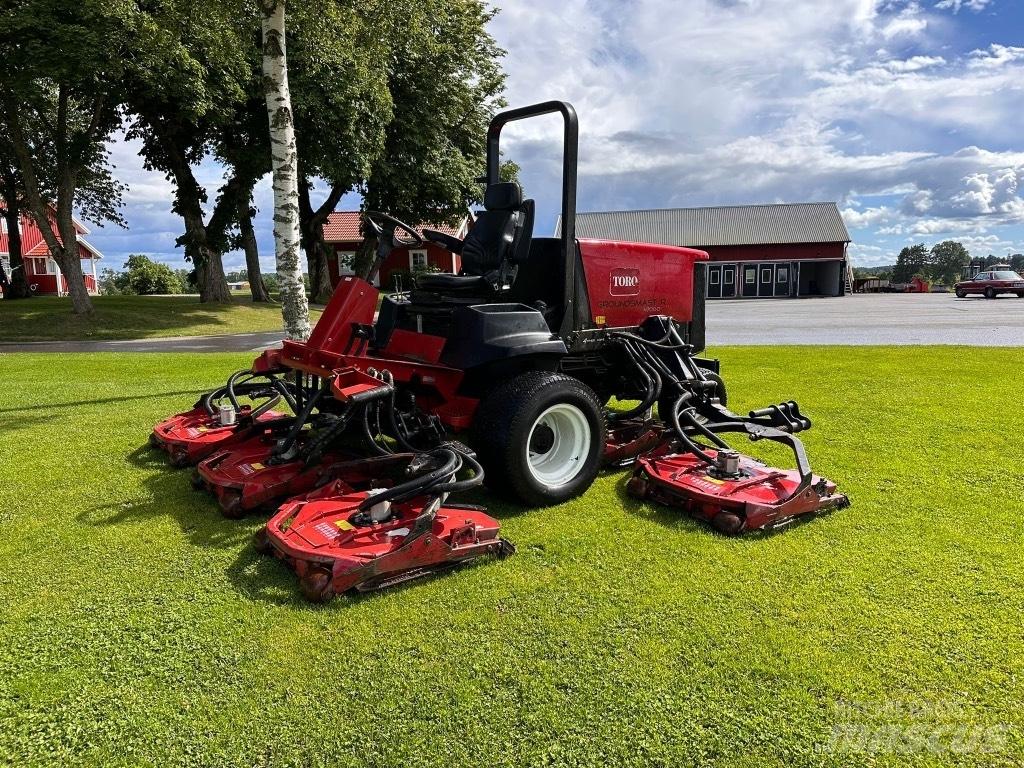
<point x="447" y="242"/>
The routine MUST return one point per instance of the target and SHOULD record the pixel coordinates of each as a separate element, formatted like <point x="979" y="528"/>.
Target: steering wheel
<point x="379" y="223"/>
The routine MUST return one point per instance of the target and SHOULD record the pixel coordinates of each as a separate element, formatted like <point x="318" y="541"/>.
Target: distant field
<point x="139" y="627"/>
<point x="49" y="318"/>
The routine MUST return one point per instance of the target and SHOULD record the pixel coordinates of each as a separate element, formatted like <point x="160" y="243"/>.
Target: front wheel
<point x="540" y="436"/>
<point x="1020" y="294"/>
<point x="960" y="294"/>
<point x="990" y="293"/>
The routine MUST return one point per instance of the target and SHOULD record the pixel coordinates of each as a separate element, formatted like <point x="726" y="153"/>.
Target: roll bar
<point x="570" y="151"/>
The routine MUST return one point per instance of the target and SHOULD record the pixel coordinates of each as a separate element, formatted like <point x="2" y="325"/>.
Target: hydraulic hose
<point x="418" y="485"/>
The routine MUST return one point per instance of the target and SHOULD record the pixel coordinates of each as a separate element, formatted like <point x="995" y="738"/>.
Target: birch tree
<point x="284" y="162"/>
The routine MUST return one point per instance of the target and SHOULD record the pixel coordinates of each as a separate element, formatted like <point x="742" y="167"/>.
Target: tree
<point x="338" y="61"/>
<point x="912" y="261"/>
<point x="284" y="159"/>
<point x="12" y="193"/>
<point x="64" y="63"/>
<point x="180" y="107"/>
<point x="141" y="277"/>
<point x="445" y="72"/>
<point x="946" y="260"/>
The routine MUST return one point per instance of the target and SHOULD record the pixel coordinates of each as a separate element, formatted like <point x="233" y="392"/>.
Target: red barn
<point x="757" y="251"/>
<point x="41" y="271"/>
<point x="343" y="235"/>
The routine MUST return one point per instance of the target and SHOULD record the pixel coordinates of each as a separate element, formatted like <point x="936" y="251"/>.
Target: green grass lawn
<point x="49" y="318"/>
<point x="138" y="627"/>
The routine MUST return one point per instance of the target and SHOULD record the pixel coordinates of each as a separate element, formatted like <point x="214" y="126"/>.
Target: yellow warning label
<point x="715" y="480"/>
<point x="344" y="525"/>
<point x="600" y="319"/>
<point x="256" y="466"/>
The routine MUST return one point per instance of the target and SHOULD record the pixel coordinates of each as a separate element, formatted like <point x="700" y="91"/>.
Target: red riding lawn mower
<point x="517" y="355"/>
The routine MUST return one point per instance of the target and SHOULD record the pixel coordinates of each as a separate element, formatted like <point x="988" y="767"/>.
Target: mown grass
<point x="138" y="627"/>
<point x="49" y="318"/>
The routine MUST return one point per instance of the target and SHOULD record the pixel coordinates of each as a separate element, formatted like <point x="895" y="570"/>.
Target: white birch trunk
<point x="284" y="158"/>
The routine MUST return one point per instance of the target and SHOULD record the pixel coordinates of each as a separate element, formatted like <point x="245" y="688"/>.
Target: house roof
<point x="344" y="227"/>
<point x="33" y="244"/>
<point x="730" y="225"/>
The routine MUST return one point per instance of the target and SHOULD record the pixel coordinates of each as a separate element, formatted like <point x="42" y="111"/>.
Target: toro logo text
<point x="624" y="282"/>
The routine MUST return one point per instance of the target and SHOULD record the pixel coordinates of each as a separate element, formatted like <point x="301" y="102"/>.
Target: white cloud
<point x="956" y="5"/>
<point x="995" y="56"/>
<point x="907" y="23"/>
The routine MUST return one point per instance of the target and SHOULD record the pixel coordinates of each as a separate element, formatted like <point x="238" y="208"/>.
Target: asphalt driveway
<point x="868" y="319"/>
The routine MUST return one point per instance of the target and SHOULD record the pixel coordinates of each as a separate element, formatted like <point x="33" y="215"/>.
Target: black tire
<point x="960" y="294"/>
<point x="1020" y="294"/>
<point x="509" y="418"/>
<point x="990" y="293"/>
<point x="665" y="403"/>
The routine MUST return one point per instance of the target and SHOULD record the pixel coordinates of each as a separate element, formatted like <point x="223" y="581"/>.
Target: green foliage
<point x="445" y="82"/>
<point x="945" y="261"/>
<point x="911" y="261"/>
<point x="143" y="276"/>
<point x="141" y="628"/>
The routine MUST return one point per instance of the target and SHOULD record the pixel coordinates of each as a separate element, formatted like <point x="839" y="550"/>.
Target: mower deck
<point x="244" y="477"/>
<point x="333" y="548"/>
<point x="754" y="497"/>
<point x="190" y="437"/>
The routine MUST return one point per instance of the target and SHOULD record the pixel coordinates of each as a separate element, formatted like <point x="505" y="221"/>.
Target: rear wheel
<point x="990" y="293"/>
<point x="540" y="437"/>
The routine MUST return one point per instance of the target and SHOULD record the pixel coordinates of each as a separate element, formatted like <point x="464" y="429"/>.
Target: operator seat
<point x="497" y="243"/>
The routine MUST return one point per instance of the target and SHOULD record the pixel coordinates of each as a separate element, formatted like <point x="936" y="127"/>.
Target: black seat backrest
<point x="501" y="234"/>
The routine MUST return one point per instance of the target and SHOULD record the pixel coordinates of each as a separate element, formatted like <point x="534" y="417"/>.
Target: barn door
<point x="766" y="280"/>
<point x="728" y="280"/>
<point x="750" y="280"/>
<point x="714" y="281"/>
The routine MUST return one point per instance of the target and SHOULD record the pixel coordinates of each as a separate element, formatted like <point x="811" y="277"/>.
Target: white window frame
<point x="750" y="276"/>
<point x="412" y="259"/>
<point x="714" y="276"/>
<point x="342" y="256"/>
<point x="761" y="275"/>
<point x="782" y="274"/>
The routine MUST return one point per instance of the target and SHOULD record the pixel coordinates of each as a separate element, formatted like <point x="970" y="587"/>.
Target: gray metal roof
<point x="731" y="225"/>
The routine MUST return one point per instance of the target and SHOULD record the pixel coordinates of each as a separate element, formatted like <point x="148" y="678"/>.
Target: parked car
<point x="990" y="284"/>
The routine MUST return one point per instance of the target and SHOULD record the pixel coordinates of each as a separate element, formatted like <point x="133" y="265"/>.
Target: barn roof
<point x="730" y="225"/>
<point x="344" y="227"/>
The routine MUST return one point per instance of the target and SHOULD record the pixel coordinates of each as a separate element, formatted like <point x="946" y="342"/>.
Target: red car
<point x="991" y="284"/>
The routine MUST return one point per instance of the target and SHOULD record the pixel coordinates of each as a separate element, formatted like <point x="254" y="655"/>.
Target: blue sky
<point x="909" y="114"/>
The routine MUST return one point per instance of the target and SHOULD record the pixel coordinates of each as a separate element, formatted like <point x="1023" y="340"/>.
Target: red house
<point x="41" y="271"/>
<point x="343" y="235"/>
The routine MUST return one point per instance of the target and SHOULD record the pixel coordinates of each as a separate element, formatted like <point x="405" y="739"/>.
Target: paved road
<point x="864" y="319"/>
<point x="860" y="319"/>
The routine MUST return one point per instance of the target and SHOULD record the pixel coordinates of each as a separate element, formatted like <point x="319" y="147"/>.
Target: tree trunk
<point x="252" y="254"/>
<point x="67" y="256"/>
<point x="311" y="224"/>
<point x="284" y="161"/>
<point x="17" y="287"/>
<point x="65" y="250"/>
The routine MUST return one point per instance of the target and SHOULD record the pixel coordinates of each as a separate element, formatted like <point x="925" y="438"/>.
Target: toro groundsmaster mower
<point x="499" y="374"/>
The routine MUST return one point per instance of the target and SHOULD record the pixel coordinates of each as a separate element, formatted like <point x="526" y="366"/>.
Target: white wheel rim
<point x="566" y="429"/>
